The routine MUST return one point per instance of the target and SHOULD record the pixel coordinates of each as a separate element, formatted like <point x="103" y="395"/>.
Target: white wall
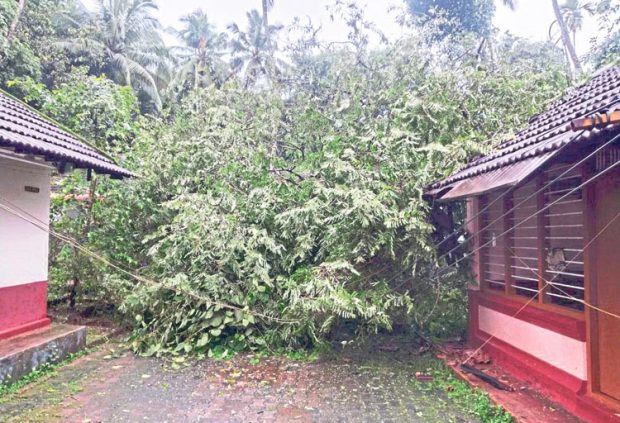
<point x="23" y="247"/>
<point x="565" y="353"/>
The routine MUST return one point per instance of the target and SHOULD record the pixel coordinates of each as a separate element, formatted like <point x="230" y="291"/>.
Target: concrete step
<point x="24" y="353"/>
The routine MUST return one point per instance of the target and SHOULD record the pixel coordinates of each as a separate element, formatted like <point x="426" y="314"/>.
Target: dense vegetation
<point x="280" y="197"/>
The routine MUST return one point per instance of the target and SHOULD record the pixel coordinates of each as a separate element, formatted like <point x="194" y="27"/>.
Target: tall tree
<point x="26" y="31"/>
<point x="21" y="5"/>
<point x="201" y="55"/>
<point x="488" y="39"/>
<point x="126" y="34"/>
<point x="452" y="17"/>
<point x="574" y="12"/>
<point x="253" y="50"/>
<point x="606" y="47"/>
<point x="565" y="34"/>
<point x="267" y="5"/>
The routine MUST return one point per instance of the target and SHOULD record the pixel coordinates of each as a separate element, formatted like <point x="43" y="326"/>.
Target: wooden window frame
<point x="509" y="291"/>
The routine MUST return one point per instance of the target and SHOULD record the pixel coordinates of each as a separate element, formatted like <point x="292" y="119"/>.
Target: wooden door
<point x="607" y="261"/>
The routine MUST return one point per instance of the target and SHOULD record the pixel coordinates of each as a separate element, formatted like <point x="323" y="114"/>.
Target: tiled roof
<point x="548" y="131"/>
<point x="26" y="131"/>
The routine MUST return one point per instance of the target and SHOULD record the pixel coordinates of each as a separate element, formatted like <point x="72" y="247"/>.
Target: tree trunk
<point x="567" y="62"/>
<point x="83" y="237"/>
<point x="196" y="74"/>
<point x="491" y="49"/>
<point x="21" y="5"/>
<point x="570" y="48"/>
<point x="266" y="17"/>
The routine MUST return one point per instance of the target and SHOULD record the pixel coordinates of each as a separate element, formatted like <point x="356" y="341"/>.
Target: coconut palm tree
<point x="565" y="36"/>
<point x="267" y="5"/>
<point x="574" y="16"/>
<point x="511" y="4"/>
<point x="201" y="55"/>
<point x="253" y="49"/>
<point x="126" y="35"/>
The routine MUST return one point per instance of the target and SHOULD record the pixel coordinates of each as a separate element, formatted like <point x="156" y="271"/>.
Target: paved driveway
<point x="113" y="385"/>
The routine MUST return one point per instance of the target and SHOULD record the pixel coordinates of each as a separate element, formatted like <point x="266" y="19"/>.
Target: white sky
<point x="530" y="20"/>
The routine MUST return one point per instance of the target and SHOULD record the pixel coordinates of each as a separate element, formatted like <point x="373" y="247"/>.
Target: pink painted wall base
<point x="23" y="308"/>
<point x="565" y="388"/>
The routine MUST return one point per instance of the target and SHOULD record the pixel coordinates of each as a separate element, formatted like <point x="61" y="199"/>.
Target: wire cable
<point x="543" y="209"/>
<point x="68" y="240"/>
<point x="577" y="164"/>
<point x="572" y="261"/>
<point x="85" y="250"/>
<point x="503" y="194"/>
<point x="550" y="283"/>
<point x="471" y="253"/>
<point x="527" y="149"/>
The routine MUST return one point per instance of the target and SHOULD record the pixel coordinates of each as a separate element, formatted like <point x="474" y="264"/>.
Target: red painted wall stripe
<point x="23" y="308"/>
<point x="561" y="386"/>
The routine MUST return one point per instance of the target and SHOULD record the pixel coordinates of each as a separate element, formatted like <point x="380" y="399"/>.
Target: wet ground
<point x="113" y="385"/>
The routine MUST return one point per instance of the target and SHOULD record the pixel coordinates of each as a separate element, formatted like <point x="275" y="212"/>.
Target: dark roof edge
<point x="60" y="125"/>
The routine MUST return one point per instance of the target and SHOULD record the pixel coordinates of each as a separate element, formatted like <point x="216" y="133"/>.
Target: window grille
<point x="607" y="157"/>
<point x="554" y="239"/>
<point x="524" y="241"/>
<point x="564" y="238"/>
<point x="493" y="265"/>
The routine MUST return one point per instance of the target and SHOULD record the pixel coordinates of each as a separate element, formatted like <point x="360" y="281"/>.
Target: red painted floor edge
<point x="562" y="387"/>
<point x="20" y="330"/>
<point x="524" y="404"/>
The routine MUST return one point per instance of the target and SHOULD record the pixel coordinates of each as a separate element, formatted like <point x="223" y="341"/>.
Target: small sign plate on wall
<point x="34" y="190"/>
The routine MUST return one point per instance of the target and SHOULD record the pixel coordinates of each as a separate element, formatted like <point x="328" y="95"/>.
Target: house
<point x="543" y="211"/>
<point x="32" y="148"/>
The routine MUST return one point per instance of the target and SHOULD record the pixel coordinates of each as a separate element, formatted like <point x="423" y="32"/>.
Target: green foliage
<point x="93" y="106"/>
<point x="452" y="17"/>
<point x="284" y="209"/>
<point x="475" y="401"/>
<point x="253" y="49"/>
<point x="304" y="213"/>
<point x="606" y="51"/>
<point x="20" y="52"/>
<point x="105" y="114"/>
<point x="32" y="52"/>
<point x="126" y="36"/>
<point x="200" y="57"/>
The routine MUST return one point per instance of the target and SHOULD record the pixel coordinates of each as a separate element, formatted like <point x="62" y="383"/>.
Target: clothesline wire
<point x="545" y="208"/>
<point x="541" y="210"/>
<point x="38" y="223"/>
<point x="551" y="283"/>
<point x="523" y="152"/>
<point x="497" y="198"/>
<point x="538" y="191"/>
<point x="44" y="226"/>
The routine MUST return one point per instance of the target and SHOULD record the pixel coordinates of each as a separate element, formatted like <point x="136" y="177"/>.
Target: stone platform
<point x="24" y="353"/>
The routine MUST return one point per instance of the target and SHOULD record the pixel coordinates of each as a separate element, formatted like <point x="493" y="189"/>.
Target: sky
<point x="530" y="20"/>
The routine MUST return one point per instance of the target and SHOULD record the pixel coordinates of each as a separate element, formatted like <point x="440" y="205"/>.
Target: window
<point x="607" y="157"/>
<point x="492" y="254"/>
<point x="564" y="237"/>
<point x="548" y="243"/>
<point x="524" y="240"/>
